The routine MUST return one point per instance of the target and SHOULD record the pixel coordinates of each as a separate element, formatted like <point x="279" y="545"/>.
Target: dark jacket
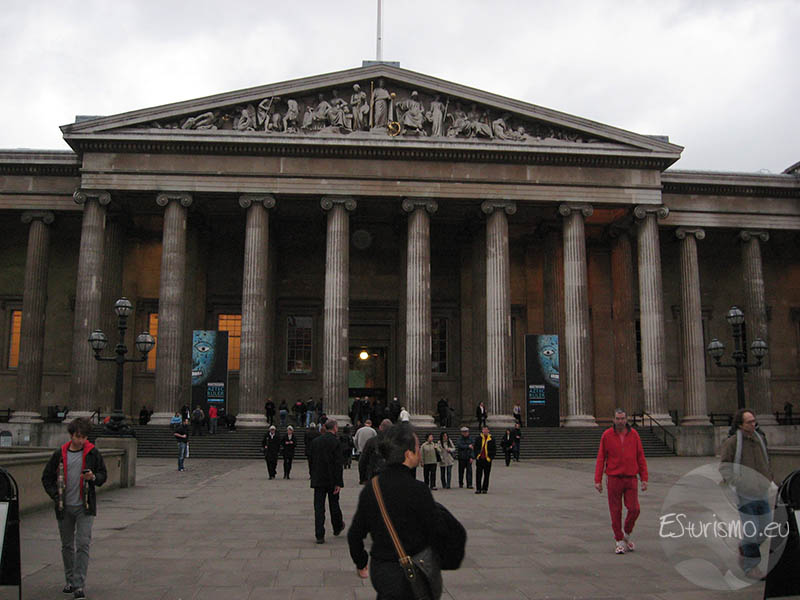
<point x="491" y="449"/>
<point x="271" y="447"/>
<point x="507" y="442"/>
<point x="371" y="462"/>
<point x="288" y="445"/>
<point x="463" y="447"/>
<point x="310" y="436"/>
<point x="92" y="460"/>
<point x="326" y="462"/>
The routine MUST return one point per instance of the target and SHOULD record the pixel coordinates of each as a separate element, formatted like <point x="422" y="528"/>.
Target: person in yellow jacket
<point x="484" y="449"/>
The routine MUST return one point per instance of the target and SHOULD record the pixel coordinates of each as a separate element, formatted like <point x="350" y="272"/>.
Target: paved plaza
<point x="221" y="530"/>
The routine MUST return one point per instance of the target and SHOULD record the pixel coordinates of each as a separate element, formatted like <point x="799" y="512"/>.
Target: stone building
<point x="429" y="224"/>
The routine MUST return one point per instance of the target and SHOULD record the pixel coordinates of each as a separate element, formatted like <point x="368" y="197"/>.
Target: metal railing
<point x="655" y="427"/>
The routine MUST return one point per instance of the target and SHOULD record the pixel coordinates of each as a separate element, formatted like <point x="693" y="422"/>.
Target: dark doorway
<point x="367" y="373"/>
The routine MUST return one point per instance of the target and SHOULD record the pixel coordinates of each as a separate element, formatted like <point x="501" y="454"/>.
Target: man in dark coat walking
<point x="271" y="444"/>
<point x="327" y="479"/>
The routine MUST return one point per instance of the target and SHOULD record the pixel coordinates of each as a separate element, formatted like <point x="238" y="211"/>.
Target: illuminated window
<point x="233" y="325"/>
<point x="13" y="340"/>
<point x="298" y="344"/>
<point x="152" y="328"/>
<point x="439" y="345"/>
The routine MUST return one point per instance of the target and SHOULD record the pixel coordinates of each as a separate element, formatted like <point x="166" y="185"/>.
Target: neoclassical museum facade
<point x="428" y="224"/>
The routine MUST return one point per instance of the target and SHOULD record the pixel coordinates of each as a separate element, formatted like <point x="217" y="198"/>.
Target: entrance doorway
<point x="367" y="377"/>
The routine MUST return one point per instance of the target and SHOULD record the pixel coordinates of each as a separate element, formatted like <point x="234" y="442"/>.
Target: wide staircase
<point x="245" y="442"/>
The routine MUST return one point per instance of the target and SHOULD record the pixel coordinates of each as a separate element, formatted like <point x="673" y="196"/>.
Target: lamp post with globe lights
<point x="144" y="344"/>
<point x="758" y="348"/>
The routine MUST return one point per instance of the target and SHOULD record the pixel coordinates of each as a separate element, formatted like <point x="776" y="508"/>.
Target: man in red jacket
<point x="622" y="457"/>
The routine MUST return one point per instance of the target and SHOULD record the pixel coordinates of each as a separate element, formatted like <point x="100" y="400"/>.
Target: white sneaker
<point x="620" y="547"/>
<point x="630" y="545"/>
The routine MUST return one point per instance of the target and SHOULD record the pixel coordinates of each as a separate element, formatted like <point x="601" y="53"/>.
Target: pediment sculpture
<point x="378" y="108"/>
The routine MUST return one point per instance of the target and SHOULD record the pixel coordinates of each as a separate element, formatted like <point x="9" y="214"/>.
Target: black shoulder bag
<point x="421" y="570"/>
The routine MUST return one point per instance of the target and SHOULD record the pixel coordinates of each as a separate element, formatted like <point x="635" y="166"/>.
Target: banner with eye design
<point x="542" y="380"/>
<point x="209" y="369"/>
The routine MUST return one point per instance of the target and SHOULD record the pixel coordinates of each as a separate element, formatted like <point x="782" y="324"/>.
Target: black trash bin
<point x="10" y="565"/>
<point x="783" y="578"/>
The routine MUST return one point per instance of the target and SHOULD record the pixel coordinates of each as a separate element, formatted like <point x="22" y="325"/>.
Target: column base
<point x="580" y="421"/>
<point x="342" y="420"/>
<point x="251" y="420"/>
<point x="695" y="421"/>
<point x="22" y="416"/>
<point x="79" y="414"/>
<point x="664" y="419"/>
<point x="423" y="421"/>
<point x="161" y="418"/>
<point x="766" y="419"/>
<point x="500" y="422"/>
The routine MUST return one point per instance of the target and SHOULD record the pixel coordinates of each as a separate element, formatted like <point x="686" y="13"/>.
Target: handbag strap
<point x="405" y="560"/>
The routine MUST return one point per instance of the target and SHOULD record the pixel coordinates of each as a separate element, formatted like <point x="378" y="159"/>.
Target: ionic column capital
<point x="45" y="216"/>
<point x="328" y="202"/>
<point x="81" y="196"/>
<point x="184" y="198"/>
<point x="682" y="232"/>
<point x="247" y="200"/>
<point x="489" y="206"/>
<point x="567" y="208"/>
<point x="411" y="204"/>
<point x="748" y="234"/>
<point x="641" y="211"/>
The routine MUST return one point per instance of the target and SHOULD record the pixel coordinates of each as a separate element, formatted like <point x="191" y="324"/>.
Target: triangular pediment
<point x="379" y="104"/>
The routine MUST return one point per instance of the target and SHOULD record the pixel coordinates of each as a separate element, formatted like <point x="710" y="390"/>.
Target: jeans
<point x="464" y="466"/>
<point x="182" y="446"/>
<point x="429" y="475"/>
<point x="76" y="536"/>
<point x="755" y="515"/>
<point x="319" y="511"/>
<point x="212" y="426"/>
<point x="446" y="475"/>
<point x="309" y="416"/>
<point x="283" y="414"/>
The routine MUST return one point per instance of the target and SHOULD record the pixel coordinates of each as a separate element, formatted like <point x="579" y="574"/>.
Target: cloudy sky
<point x="719" y="77"/>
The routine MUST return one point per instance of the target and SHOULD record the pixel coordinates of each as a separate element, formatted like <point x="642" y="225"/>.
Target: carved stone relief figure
<point x="246" y="120"/>
<point x="290" y="118"/>
<point x="478" y="123"/>
<point x="308" y="118"/>
<point x="202" y="121"/>
<point x="381" y="100"/>
<point x="268" y="117"/>
<point x="436" y="116"/>
<point x="459" y="121"/>
<point x="320" y="118"/>
<point x="413" y="116"/>
<point x="359" y="107"/>
<point x="339" y="113"/>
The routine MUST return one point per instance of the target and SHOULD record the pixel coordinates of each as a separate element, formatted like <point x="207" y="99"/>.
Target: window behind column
<point x="233" y="325"/>
<point x="152" y="328"/>
<point x="299" y="348"/>
<point x="439" y="345"/>
<point x="15" y="331"/>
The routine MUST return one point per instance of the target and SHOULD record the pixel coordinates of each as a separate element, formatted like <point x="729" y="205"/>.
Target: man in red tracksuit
<point x="622" y="457"/>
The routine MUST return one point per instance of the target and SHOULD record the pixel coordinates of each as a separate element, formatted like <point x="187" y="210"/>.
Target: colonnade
<point x="254" y="377"/>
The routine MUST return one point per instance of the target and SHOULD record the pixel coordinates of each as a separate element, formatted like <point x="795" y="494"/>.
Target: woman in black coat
<point x="507" y="444"/>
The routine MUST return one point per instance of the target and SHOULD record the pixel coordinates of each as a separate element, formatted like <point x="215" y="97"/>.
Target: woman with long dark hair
<point x="409" y="504"/>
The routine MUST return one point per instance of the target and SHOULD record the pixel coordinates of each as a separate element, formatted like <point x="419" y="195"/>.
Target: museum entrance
<point x="367" y="376"/>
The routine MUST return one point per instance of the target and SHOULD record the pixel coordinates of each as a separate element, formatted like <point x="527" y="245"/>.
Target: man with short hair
<point x="327" y="479"/>
<point x="370" y="463"/>
<point x="364" y="434"/>
<point x="484" y="449"/>
<point x="70" y="478"/>
<point x="516" y="435"/>
<point x="464" y="448"/>
<point x="747" y="448"/>
<point x="271" y="444"/>
<point x="181" y="435"/>
<point x="622" y="457"/>
<point x="212" y="420"/>
<point x="198" y="416"/>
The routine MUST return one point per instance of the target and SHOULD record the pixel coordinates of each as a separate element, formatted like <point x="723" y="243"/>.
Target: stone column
<point x="577" y="345"/>
<point x="335" y="347"/>
<point x="255" y="336"/>
<point x="170" y="377"/>
<point x="625" y="374"/>
<point x="758" y="379"/>
<point x="498" y="313"/>
<point x="34" y="303"/>
<point x="554" y="318"/>
<point x="418" y="400"/>
<point x="694" y="370"/>
<point x="651" y="306"/>
<point x="88" y="295"/>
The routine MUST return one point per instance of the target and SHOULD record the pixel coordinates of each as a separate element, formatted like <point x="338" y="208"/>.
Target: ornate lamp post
<point x="98" y="341"/>
<point x="759" y="349"/>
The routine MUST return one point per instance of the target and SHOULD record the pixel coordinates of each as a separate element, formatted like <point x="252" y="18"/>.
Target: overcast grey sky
<point x="719" y="77"/>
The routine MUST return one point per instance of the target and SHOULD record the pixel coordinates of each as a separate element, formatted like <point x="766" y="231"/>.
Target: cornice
<point x="710" y="183"/>
<point x="56" y="163"/>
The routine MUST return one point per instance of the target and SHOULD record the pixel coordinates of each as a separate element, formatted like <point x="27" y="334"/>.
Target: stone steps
<point x="544" y="442"/>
